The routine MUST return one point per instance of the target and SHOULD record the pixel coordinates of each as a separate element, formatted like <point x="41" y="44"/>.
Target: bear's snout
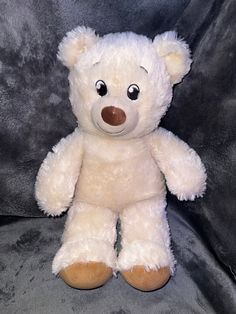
<point x="113" y="115"/>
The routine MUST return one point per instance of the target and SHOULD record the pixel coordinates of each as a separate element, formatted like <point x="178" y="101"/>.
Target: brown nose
<point x="113" y="115"/>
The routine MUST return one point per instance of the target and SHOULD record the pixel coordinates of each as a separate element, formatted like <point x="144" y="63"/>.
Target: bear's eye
<point x="101" y="88"/>
<point x="133" y="91"/>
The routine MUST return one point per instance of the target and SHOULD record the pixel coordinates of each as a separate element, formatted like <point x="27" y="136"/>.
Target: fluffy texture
<point x="114" y="172"/>
<point x="175" y="53"/>
<point x="112" y="169"/>
<point x="35" y="114"/>
<point x="184" y="172"/>
<point x="145" y="236"/>
<point x="90" y="235"/>
<point x="75" y="43"/>
<point x="27" y="247"/>
<point x="58" y="174"/>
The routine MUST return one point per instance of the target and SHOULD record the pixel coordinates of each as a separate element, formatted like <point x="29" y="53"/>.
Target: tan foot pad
<point x="86" y="275"/>
<point x="144" y="280"/>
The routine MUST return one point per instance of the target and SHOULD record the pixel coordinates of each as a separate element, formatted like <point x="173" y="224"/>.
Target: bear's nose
<point x="113" y="115"/>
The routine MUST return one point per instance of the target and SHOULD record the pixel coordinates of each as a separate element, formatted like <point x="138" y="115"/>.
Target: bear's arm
<point x="58" y="174"/>
<point x="183" y="170"/>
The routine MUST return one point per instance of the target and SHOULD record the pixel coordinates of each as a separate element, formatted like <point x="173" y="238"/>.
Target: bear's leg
<point x="145" y="261"/>
<point x="87" y="255"/>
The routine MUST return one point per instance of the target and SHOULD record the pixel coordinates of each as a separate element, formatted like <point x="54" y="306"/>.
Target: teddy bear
<point x="118" y="161"/>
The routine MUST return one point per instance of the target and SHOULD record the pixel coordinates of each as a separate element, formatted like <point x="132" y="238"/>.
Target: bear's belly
<point x="117" y="184"/>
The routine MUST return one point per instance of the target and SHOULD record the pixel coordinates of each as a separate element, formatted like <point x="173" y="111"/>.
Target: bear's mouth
<point x="109" y="132"/>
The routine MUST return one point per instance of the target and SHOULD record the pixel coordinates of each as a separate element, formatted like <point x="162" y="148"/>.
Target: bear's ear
<point x="175" y="53"/>
<point x="74" y="43"/>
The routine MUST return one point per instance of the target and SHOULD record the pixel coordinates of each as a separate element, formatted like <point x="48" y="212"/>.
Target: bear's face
<point x="120" y="85"/>
<point x="118" y="89"/>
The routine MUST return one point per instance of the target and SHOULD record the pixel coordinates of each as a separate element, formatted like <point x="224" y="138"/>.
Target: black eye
<point x="101" y="88"/>
<point x="133" y="91"/>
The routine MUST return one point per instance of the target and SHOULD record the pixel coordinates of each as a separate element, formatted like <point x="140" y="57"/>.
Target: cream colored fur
<point x="175" y="53"/>
<point x="145" y="236"/>
<point x="184" y="172"/>
<point x="58" y="174"/>
<point x="104" y="171"/>
<point x="90" y="234"/>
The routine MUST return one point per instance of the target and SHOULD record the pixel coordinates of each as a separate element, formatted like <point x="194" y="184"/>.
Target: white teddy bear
<point x="116" y="164"/>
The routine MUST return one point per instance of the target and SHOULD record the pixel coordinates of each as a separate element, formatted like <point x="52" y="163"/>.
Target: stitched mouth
<point x="115" y="133"/>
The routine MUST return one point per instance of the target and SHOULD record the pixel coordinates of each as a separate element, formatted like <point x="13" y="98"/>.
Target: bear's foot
<point x="86" y="275"/>
<point x="141" y="279"/>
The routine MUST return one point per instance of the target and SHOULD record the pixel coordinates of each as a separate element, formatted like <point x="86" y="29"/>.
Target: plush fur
<point x="104" y="171"/>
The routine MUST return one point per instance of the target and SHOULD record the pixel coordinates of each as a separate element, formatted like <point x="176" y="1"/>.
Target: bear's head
<point x="121" y="84"/>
